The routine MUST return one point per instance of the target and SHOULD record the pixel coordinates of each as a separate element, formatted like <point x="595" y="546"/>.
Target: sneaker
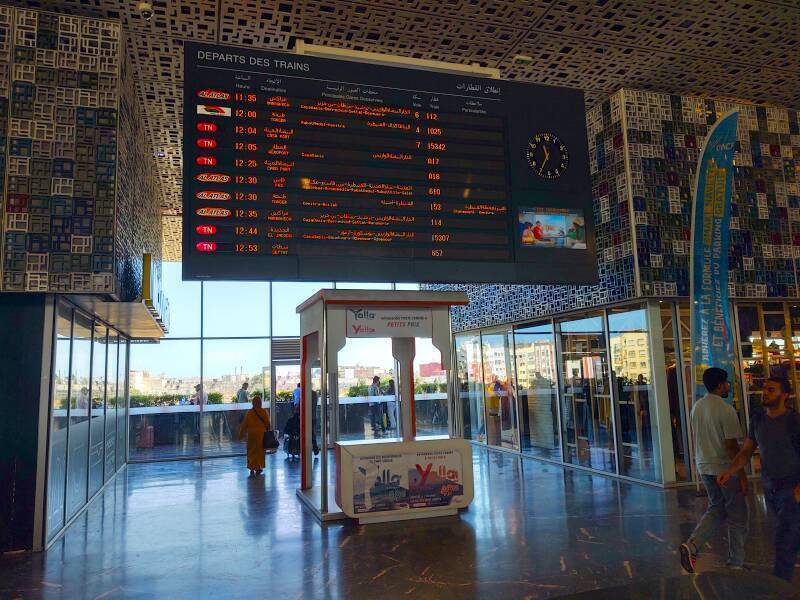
<point x="688" y="558"/>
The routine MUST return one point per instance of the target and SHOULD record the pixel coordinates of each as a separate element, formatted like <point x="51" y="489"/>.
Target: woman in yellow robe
<point x="255" y="428"/>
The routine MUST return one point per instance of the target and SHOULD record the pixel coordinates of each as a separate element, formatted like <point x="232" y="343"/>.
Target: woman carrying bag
<point x="260" y="436"/>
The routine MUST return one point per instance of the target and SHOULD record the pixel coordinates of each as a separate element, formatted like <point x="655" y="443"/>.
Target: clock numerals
<point x="547" y="155"/>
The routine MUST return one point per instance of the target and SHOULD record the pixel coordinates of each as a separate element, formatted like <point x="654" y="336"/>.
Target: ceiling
<point x="744" y="49"/>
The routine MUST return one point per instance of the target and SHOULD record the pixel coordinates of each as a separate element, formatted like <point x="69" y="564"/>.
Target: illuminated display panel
<point x="302" y="168"/>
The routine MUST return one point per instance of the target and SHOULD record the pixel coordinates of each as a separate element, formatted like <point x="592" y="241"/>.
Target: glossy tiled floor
<point x="191" y="529"/>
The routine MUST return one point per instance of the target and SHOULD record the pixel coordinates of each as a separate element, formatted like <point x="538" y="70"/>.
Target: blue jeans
<point x="725" y="504"/>
<point x="787" y="528"/>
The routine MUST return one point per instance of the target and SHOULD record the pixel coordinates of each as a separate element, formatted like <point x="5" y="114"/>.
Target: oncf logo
<point x="212" y="195"/>
<point x="213" y="212"/>
<point x="213" y="178"/>
<point x="214" y="94"/>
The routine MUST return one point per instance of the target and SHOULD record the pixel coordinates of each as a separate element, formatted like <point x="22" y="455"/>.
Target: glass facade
<point x="186" y="390"/>
<point x="87" y="412"/>
<point x="609" y="390"/>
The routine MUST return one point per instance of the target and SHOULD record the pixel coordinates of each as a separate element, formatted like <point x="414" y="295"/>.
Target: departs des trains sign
<point x="299" y="168"/>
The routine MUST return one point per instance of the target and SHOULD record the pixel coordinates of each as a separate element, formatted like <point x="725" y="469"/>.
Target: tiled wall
<point x="138" y="216"/>
<point x="61" y="207"/>
<point x="662" y="137"/>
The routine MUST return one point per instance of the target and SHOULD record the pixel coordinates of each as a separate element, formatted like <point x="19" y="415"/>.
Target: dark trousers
<point x="787" y="528"/>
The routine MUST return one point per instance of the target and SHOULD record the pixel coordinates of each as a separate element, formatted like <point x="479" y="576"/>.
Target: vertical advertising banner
<point x="710" y="314"/>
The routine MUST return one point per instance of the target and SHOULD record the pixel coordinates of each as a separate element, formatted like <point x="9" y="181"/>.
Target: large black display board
<point x="302" y="168"/>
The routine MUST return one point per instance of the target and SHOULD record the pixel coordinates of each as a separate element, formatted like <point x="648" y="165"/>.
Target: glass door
<point x="675" y="377"/>
<point x="794" y="319"/>
<point x="587" y="417"/>
<point x="499" y="389"/>
<point x="535" y="351"/>
<point x="754" y="359"/>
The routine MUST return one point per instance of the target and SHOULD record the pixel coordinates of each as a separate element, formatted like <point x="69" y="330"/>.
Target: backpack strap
<point x="260" y="419"/>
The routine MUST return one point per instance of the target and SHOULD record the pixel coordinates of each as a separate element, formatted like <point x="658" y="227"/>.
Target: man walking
<point x="776" y="433"/>
<point x="716" y="430"/>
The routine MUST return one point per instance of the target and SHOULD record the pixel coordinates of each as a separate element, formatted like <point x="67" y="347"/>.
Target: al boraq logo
<point x="213" y="212"/>
<point x="214" y="94"/>
<point x="212" y="195"/>
<point x="213" y="178"/>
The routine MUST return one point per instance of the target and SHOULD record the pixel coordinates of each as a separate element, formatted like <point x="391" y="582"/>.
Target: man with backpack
<point x="776" y="432"/>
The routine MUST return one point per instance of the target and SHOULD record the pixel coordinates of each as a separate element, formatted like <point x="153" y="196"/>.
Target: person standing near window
<point x="296" y="393"/>
<point x="242" y="396"/>
<point x="776" y="432"/>
<point x="716" y="431"/>
<point x="255" y="425"/>
<point x="375" y="407"/>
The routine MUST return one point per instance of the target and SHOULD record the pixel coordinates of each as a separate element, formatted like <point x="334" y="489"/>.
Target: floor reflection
<point x="191" y="529"/>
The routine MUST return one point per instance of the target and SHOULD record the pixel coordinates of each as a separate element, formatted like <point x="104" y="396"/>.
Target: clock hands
<point x="539" y="159"/>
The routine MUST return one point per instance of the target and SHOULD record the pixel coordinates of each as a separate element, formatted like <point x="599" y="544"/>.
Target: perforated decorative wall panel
<point x="744" y="49"/>
<point x="138" y="215"/>
<point x="66" y="227"/>
<point x="61" y="168"/>
<point x="664" y="137"/>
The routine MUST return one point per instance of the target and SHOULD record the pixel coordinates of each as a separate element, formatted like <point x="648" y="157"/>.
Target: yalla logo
<point x="362" y="313"/>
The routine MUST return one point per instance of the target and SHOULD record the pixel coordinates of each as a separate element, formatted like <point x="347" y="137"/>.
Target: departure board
<point x="303" y="168"/>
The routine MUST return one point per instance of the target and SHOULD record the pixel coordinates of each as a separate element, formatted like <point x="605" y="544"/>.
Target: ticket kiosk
<point x="404" y="477"/>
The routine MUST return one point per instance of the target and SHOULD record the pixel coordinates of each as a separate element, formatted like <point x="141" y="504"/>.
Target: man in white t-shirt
<point x="716" y="430"/>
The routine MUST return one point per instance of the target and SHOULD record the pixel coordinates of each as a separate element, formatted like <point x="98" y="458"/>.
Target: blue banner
<point x="710" y="315"/>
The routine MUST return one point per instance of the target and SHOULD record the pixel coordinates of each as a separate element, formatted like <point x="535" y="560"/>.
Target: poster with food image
<point x="380" y="483"/>
<point x="434" y="479"/>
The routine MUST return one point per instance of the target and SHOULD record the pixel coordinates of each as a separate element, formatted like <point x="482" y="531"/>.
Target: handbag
<point x="270" y="440"/>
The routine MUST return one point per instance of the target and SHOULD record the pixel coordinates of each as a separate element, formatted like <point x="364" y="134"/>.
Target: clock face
<point x="547" y="155"/>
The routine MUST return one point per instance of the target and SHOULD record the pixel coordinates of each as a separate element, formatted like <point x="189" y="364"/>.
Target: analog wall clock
<point x="547" y="155"/>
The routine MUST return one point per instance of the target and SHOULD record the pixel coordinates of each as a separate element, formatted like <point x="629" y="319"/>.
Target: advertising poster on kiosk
<point x="380" y="483"/>
<point x="434" y="478"/>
